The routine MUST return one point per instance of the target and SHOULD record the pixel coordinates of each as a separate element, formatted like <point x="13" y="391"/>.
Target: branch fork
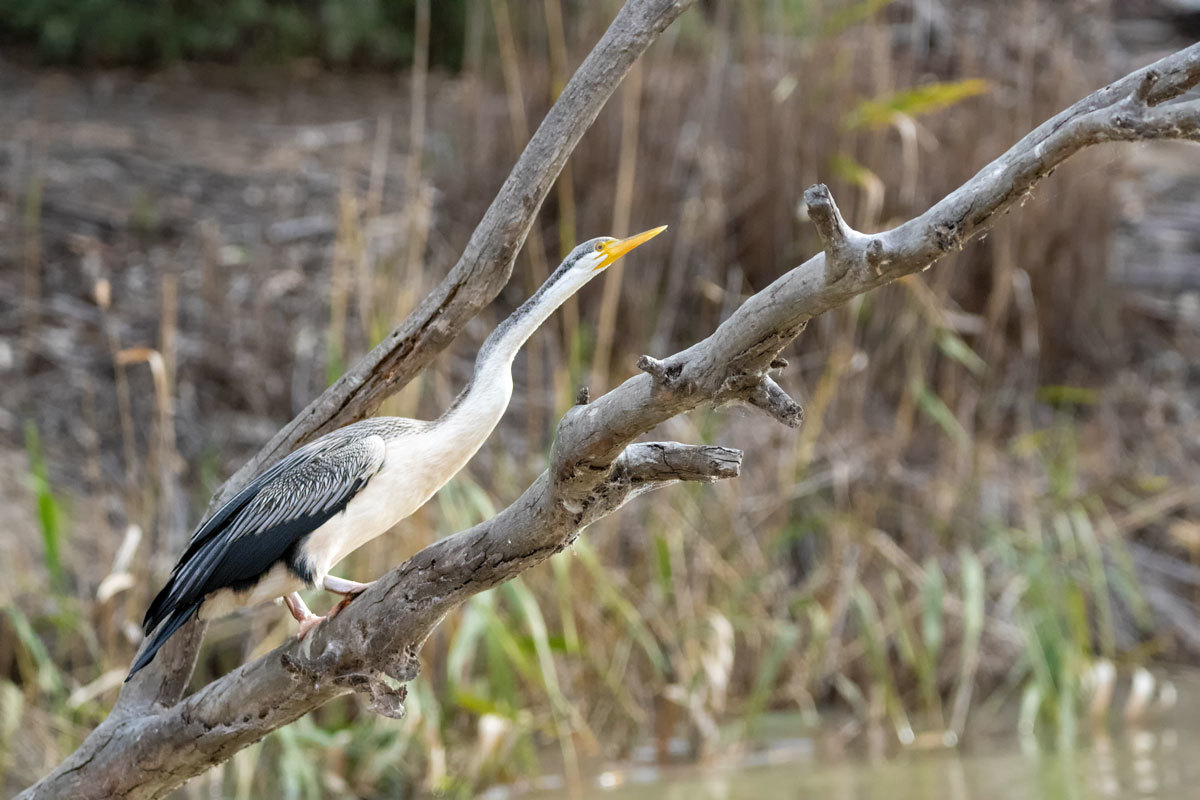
<point x="844" y="247"/>
<point x="640" y="468"/>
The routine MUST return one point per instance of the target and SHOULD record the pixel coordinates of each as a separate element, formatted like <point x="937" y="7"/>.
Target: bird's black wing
<point x="255" y="529"/>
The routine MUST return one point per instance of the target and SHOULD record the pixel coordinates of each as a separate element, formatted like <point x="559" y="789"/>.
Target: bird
<point x="295" y="521"/>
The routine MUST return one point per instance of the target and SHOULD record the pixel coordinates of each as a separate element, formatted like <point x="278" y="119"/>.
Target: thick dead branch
<point x="369" y="645"/>
<point x="475" y="280"/>
<point x="486" y="263"/>
<point x="594" y="468"/>
<point x="667" y="461"/>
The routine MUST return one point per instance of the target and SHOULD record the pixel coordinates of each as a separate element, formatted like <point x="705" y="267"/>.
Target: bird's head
<point x="602" y="252"/>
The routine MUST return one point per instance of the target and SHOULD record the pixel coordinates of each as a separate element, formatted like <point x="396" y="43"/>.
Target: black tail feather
<point x="172" y="623"/>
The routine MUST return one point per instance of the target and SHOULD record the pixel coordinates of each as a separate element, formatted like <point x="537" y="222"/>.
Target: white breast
<point x="415" y="467"/>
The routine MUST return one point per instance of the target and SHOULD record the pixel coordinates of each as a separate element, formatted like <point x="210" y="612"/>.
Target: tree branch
<point x="371" y="644"/>
<point x="594" y="468"/>
<point x="475" y="280"/>
<point x="486" y="263"/>
<point x="770" y="397"/>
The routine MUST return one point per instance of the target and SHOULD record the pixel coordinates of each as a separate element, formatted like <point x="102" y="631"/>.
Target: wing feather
<point x="256" y="528"/>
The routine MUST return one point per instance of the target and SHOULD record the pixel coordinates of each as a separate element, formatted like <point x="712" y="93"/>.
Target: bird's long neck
<point x="473" y="417"/>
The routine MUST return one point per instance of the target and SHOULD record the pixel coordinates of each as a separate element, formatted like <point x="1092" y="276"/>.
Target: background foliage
<point x="376" y="33"/>
<point x="993" y="494"/>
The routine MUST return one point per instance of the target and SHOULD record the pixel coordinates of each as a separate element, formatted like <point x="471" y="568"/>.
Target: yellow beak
<point x="615" y="249"/>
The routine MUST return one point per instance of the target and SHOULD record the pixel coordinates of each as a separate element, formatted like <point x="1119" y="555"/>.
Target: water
<point x="1159" y="759"/>
<point x="1146" y="764"/>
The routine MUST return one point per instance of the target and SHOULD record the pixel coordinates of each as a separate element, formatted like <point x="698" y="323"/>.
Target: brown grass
<point x="907" y="553"/>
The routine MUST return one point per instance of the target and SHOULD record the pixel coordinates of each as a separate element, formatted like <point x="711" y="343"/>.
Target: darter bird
<point x="295" y="521"/>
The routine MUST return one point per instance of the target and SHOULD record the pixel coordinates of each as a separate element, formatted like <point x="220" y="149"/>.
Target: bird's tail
<point x="168" y="627"/>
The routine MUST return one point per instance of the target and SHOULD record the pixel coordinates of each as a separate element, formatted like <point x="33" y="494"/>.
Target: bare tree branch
<point x="475" y="280"/>
<point x="372" y="646"/>
<point x="486" y="263"/>
<point x="769" y="396"/>
<point x="372" y="649"/>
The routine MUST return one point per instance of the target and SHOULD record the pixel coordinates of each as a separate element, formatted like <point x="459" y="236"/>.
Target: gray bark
<point x="487" y="261"/>
<point x="475" y="280"/>
<point x="144" y="749"/>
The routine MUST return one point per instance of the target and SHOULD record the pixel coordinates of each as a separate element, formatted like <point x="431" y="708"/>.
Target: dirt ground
<point x="111" y="180"/>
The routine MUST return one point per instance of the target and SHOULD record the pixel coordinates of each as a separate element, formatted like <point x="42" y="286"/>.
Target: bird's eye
<point x="599" y="246"/>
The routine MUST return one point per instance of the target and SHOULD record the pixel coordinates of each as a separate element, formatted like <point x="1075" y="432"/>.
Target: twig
<point x="771" y="398"/>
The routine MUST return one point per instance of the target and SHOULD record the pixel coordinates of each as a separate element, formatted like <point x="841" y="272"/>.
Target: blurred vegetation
<point x="952" y="530"/>
<point x="377" y="33"/>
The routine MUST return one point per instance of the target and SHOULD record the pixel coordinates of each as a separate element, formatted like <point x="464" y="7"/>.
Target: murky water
<point x="1160" y="759"/>
<point x="1161" y="764"/>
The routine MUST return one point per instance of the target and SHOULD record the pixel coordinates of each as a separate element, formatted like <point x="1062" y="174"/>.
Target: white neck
<point x="418" y="466"/>
<point x="474" y="415"/>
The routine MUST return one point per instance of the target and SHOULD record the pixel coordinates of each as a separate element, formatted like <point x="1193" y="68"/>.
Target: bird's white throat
<point x="420" y="463"/>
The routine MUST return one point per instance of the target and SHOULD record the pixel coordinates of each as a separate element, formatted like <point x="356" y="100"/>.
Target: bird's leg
<point x="307" y="619"/>
<point x="342" y="586"/>
<point x="348" y="589"/>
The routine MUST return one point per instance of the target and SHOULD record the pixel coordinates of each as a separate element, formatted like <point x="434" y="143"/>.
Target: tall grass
<point x="945" y="533"/>
<point x="49" y="511"/>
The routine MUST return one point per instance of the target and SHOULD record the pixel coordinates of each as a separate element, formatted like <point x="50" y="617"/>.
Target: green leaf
<point x="479" y="705"/>
<point x="933" y="591"/>
<point x="1057" y="395"/>
<point x="878" y="112"/>
<point x="937" y="410"/>
<point x="48" y="510"/>
<point x="954" y="347"/>
<point x="847" y="169"/>
<point x="662" y="551"/>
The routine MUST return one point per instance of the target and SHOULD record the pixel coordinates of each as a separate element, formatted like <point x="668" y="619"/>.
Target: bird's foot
<point x="301" y="614"/>
<point x="347" y="589"/>
<point x="308" y="623"/>
<point x="346" y="600"/>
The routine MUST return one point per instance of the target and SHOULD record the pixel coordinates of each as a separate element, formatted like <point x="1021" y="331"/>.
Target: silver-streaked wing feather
<point x="255" y="529"/>
<point x="315" y="484"/>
